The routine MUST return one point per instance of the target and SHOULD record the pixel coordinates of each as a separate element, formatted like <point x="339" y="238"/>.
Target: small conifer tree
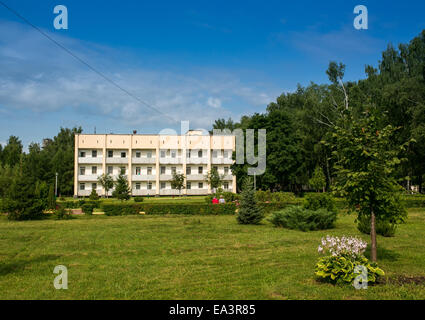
<point x="249" y="211"/>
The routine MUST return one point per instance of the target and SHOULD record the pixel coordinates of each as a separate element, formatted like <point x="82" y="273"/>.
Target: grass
<point x="196" y="257"/>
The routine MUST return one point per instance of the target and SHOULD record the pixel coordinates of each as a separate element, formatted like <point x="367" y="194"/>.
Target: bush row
<point x="184" y="209"/>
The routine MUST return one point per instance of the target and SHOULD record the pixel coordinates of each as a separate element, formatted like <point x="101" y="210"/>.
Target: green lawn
<point x="196" y="257"/>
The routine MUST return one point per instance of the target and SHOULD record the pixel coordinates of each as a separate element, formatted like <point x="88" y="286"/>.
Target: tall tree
<point x="12" y="151"/>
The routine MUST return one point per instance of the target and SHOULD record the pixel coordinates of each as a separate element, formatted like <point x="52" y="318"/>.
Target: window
<point x="123" y="155"/>
<point x="138" y="154"/>
<point x="226" y="170"/>
<point x="215" y="168"/>
<point x="110" y="154"/>
<point x="188" y="185"/>
<point x="173" y="154"/>
<point x="200" y="154"/>
<point x="173" y="170"/>
<point x="82" y="186"/>
<point x="82" y="154"/>
<point x="94" y="154"/>
<point x="162" y="185"/>
<point x="226" y="186"/>
<point x="214" y="154"/>
<point x="162" y="153"/>
<point x="93" y="170"/>
<point x="138" y="171"/>
<point x="188" y="154"/>
<point x="200" y="185"/>
<point x="162" y="170"/>
<point x="200" y="170"/>
<point x="138" y="186"/>
<point x="82" y="171"/>
<point x="188" y="170"/>
<point x="225" y="154"/>
<point x="149" y="185"/>
<point x="149" y="170"/>
<point x="122" y="170"/>
<point x="149" y="155"/>
<point x="110" y="169"/>
<point x="94" y="186"/>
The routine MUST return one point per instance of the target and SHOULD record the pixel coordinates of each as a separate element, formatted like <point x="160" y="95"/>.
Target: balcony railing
<point x="88" y="177"/>
<point x="135" y="160"/>
<point x="221" y="161"/>
<point x="87" y="160"/>
<point x="143" y="192"/>
<point x="196" y="160"/>
<point x="165" y="177"/>
<point x="169" y="192"/>
<point x="198" y="177"/>
<point x="196" y="192"/>
<point x="117" y="160"/>
<point x="168" y="160"/>
<point x="143" y="177"/>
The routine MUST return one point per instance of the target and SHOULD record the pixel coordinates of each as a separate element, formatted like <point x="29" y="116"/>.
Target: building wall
<point x="129" y="152"/>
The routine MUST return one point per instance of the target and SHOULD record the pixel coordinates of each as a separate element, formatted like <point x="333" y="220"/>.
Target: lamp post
<point x="56" y="185"/>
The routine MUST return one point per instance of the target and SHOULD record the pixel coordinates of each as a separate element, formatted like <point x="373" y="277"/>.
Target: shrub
<point x="228" y="196"/>
<point x="343" y="256"/>
<point x="383" y="227"/>
<point x="93" y="195"/>
<point x="138" y="199"/>
<point x="249" y="211"/>
<point x="299" y="218"/>
<point x="62" y="214"/>
<point x="316" y="201"/>
<point x="88" y="208"/>
<point x="275" y="197"/>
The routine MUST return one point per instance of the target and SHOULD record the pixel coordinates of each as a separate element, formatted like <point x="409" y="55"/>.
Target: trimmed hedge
<point x="79" y="204"/>
<point x="183" y="209"/>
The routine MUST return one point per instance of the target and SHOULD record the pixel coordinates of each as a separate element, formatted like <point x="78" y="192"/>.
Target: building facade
<point x="148" y="162"/>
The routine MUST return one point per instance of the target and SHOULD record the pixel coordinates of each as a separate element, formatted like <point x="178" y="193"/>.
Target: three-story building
<point x="149" y="161"/>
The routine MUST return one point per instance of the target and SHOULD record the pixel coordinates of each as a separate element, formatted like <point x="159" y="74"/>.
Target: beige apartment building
<point x="148" y="161"/>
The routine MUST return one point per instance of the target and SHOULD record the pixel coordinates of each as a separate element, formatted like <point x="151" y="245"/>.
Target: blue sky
<point x="192" y="60"/>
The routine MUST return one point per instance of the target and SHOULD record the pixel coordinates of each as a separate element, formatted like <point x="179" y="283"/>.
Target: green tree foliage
<point x="249" y="211"/>
<point x="21" y="201"/>
<point x="214" y="179"/>
<point x="178" y="181"/>
<point x="122" y="190"/>
<point x="367" y="161"/>
<point x="318" y="180"/>
<point x="106" y="182"/>
<point x="93" y="195"/>
<point x="12" y="152"/>
<point x="51" y="200"/>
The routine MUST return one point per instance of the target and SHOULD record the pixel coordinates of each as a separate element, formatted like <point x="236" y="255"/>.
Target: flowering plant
<point x="350" y="247"/>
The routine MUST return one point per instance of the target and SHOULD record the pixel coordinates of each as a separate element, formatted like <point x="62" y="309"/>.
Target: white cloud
<point x="214" y="102"/>
<point x="38" y="76"/>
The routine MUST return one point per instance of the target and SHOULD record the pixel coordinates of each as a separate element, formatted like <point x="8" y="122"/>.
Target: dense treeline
<point x="297" y="123"/>
<point x="39" y="165"/>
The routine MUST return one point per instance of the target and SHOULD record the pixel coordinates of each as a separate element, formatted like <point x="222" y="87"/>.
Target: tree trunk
<point x="373" y="237"/>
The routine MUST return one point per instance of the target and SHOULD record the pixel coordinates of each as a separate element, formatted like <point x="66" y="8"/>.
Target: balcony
<point x="169" y="192"/>
<point x="165" y="177"/>
<point x="196" y="192"/>
<point x="143" y="192"/>
<point x="135" y="160"/>
<point x="197" y="160"/>
<point x="170" y="160"/>
<point x="88" y="177"/>
<point x="227" y="177"/>
<point x="221" y="161"/>
<point x="84" y="193"/>
<point x="90" y="160"/>
<point x="196" y="177"/>
<point x="117" y="160"/>
<point x="143" y="177"/>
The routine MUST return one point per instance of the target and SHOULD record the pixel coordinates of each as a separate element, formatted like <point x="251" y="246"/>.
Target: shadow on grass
<point x="383" y="254"/>
<point x="19" y="265"/>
